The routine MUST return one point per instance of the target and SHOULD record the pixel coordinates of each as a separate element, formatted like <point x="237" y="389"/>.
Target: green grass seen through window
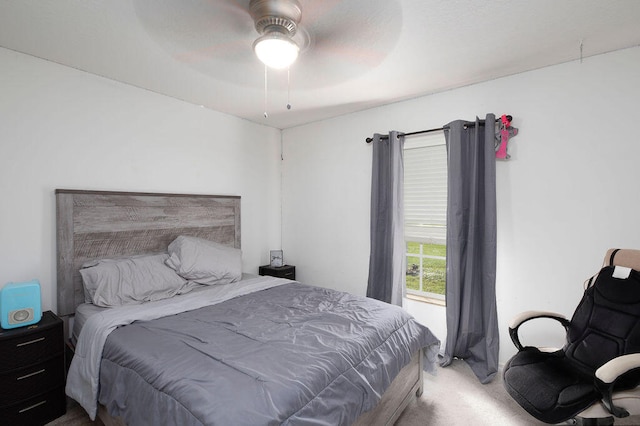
<point x="433" y="270"/>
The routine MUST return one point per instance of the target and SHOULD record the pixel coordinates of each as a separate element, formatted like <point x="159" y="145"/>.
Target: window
<point x="425" y="214"/>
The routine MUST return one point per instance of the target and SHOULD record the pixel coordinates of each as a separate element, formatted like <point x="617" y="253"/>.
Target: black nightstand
<point x="32" y="372"/>
<point x="286" y="271"/>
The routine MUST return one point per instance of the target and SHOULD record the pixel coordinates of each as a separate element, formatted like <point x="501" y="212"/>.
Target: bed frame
<point x="101" y="224"/>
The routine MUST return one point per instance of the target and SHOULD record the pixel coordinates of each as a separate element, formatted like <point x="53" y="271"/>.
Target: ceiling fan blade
<point x="314" y="10"/>
<point x="357" y="45"/>
<point x="189" y="30"/>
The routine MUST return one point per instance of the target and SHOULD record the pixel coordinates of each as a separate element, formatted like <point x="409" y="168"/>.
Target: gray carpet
<point x="452" y="397"/>
<point x="76" y="416"/>
<point x="455" y="397"/>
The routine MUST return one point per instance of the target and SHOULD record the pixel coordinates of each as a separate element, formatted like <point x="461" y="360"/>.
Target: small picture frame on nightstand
<point x="276" y="258"/>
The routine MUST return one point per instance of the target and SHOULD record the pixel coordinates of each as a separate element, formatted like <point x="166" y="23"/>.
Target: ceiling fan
<point x="336" y="39"/>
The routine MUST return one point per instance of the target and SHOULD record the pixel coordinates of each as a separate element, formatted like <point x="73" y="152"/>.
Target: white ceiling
<point x="361" y="53"/>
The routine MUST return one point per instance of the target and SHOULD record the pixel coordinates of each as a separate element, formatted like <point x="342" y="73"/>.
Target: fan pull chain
<point x="265" y="93"/>
<point x="288" y="88"/>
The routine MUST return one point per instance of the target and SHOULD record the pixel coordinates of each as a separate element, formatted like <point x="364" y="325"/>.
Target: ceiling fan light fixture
<point x="276" y="21"/>
<point x="276" y="50"/>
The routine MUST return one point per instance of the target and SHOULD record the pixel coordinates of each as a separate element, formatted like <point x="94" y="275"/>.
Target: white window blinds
<point x="425" y="188"/>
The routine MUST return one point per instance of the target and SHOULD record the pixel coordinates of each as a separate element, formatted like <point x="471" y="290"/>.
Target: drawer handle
<point x="30" y="342"/>
<point x="32" y="407"/>
<point x="31" y="374"/>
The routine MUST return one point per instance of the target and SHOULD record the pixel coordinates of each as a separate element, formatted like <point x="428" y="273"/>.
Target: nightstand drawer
<point x="286" y="271"/>
<point x="290" y="275"/>
<point x="30" y="348"/>
<point x="26" y="382"/>
<point x="36" y="411"/>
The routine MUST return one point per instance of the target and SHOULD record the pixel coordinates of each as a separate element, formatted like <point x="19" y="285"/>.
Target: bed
<point x="254" y="350"/>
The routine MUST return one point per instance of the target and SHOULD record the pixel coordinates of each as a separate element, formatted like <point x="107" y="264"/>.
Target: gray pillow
<point x="204" y="261"/>
<point x="131" y="280"/>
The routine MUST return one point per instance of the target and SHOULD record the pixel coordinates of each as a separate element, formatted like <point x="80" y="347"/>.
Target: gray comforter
<point x="292" y="354"/>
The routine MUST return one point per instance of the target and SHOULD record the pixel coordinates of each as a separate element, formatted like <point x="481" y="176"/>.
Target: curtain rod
<point x="439" y="129"/>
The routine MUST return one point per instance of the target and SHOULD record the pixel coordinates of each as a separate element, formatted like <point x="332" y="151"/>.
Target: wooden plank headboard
<point x="102" y="224"/>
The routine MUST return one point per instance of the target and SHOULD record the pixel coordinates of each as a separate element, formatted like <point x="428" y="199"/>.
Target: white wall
<point x="569" y="192"/>
<point x="63" y="128"/>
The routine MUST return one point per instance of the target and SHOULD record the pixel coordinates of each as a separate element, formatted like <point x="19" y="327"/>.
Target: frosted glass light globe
<point x="276" y="50"/>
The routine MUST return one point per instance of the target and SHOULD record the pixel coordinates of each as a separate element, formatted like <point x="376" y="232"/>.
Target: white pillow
<point x="131" y="280"/>
<point x="204" y="261"/>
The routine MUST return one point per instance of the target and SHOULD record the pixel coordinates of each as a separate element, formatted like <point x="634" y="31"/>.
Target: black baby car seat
<point x="557" y="386"/>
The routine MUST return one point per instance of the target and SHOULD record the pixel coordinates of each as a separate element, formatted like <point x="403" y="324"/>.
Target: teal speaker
<point x="20" y="304"/>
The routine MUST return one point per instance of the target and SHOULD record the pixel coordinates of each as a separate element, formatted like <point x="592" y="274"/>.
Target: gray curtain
<point x="386" y="259"/>
<point x="472" y="326"/>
